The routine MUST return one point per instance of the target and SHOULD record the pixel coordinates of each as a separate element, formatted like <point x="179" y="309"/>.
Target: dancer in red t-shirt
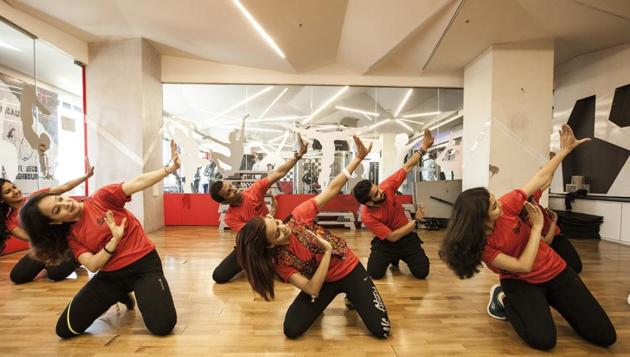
<point x="396" y="238"/>
<point x="11" y="202"/>
<point x="105" y="237"/>
<point x="244" y="205"/>
<point x="313" y="260"/>
<point x="533" y="276"/>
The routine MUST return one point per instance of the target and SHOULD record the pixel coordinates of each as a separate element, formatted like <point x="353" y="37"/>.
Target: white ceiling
<point x="405" y="37"/>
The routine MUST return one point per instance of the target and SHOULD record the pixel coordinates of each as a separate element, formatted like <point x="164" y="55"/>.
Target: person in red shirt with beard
<point x="395" y="236"/>
<point x="533" y="276"/>
<point x="244" y="205"/>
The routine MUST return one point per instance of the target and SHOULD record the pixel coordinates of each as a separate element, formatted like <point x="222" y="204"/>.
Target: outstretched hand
<point x="362" y="151"/>
<point x="90" y="169"/>
<point x="568" y="141"/>
<point x="427" y="139"/>
<point x="175" y="161"/>
<point x="303" y="147"/>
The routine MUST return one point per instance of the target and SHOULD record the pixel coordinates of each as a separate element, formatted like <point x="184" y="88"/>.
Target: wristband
<point x="346" y="173"/>
<point x="107" y="251"/>
<point x="421" y="151"/>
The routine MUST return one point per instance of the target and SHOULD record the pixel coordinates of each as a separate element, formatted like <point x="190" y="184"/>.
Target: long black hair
<point x="256" y="257"/>
<point x="4" y="212"/>
<point x="48" y="241"/>
<point x="465" y="237"/>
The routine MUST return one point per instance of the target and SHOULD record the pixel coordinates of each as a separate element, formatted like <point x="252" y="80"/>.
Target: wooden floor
<point x="439" y="316"/>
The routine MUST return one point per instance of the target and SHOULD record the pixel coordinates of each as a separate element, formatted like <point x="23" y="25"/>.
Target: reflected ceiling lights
<point x="259" y="28"/>
<point x="354" y="110"/>
<point x="404" y="101"/>
<point x="326" y="104"/>
<point x="272" y="103"/>
<point x="416" y="115"/>
<point x="404" y="125"/>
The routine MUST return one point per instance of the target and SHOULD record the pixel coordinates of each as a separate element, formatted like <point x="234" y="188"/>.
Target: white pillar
<point x="508" y="99"/>
<point x="124" y="105"/>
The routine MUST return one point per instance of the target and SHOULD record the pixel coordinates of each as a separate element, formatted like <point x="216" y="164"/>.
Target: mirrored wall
<point x="41" y="112"/>
<point x="237" y="132"/>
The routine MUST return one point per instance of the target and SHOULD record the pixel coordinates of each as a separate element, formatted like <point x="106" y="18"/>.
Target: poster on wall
<point x="30" y="140"/>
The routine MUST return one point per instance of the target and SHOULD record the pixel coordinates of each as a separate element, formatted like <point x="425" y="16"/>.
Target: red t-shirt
<point x="389" y="215"/>
<point x="546" y="216"/>
<point x="337" y="269"/>
<point x="13" y="217"/>
<point x="90" y="233"/>
<point x="510" y="236"/>
<point x="253" y="205"/>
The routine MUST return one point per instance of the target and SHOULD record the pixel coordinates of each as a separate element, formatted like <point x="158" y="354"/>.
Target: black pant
<point x="408" y="249"/>
<point x="227" y="269"/>
<point x="361" y="292"/>
<point x="565" y="249"/>
<point x="527" y="308"/>
<point x="27" y="268"/>
<point x="144" y="277"/>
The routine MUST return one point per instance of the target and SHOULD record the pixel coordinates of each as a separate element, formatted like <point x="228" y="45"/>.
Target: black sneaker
<point x="349" y="305"/>
<point x="496" y="309"/>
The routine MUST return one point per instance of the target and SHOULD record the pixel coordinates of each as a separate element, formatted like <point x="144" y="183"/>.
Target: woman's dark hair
<point x="4" y="211"/>
<point x="465" y="239"/>
<point x="49" y="241"/>
<point x="256" y="257"/>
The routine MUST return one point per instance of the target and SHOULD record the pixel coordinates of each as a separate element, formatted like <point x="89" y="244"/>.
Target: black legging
<point x="565" y="249"/>
<point x="361" y="292"/>
<point x="227" y="269"/>
<point x="408" y="249"/>
<point x="27" y="268"/>
<point x="527" y="308"/>
<point x="145" y="277"/>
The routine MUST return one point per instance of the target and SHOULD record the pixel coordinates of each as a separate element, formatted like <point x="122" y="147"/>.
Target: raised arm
<point x="149" y="179"/>
<point x="283" y="169"/>
<point x="568" y="142"/>
<point x="337" y="184"/>
<point x="242" y="133"/>
<point x="427" y="141"/>
<point x="525" y="262"/>
<point x="65" y="187"/>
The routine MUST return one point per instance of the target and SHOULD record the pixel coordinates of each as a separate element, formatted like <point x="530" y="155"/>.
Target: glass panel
<point x="60" y="120"/>
<point x="18" y="107"/>
<point x="206" y="121"/>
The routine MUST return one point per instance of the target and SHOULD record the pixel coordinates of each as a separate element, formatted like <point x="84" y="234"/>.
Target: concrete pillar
<point x="124" y="105"/>
<point x="508" y="99"/>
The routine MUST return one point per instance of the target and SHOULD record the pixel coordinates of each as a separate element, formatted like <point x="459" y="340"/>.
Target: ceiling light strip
<point x="259" y="28"/>
<point x="404" y="125"/>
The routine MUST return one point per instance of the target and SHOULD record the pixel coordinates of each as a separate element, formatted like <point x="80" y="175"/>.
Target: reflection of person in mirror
<point x="28" y="99"/>
<point x="327" y="140"/>
<point x="236" y="146"/>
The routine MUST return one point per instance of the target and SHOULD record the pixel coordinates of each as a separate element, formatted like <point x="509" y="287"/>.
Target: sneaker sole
<point x="490" y="303"/>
